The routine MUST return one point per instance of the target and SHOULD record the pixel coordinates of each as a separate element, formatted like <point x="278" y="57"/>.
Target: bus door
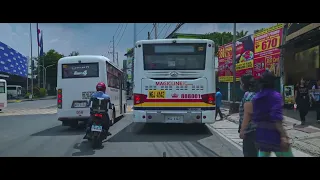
<point x="3" y="94"/>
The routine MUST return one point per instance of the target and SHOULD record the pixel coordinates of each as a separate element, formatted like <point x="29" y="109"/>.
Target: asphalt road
<point x="33" y="104"/>
<point x="43" y="135"/>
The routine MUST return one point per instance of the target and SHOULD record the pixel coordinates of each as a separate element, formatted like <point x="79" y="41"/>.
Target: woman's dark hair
<point x="249" y="83"/>
<point x="267" y="80"/>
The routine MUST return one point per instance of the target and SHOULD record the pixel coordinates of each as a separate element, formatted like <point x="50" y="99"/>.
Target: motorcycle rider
<point x="101" y="93"/>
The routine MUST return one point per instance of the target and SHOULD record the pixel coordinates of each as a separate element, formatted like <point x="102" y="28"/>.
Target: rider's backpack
<point x="99" y="105"/>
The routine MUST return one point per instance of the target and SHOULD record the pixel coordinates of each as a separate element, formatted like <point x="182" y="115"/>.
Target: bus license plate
<point x="156" y="94"/>
<point x="174" y="119"/>
<point x="96" y="128"/>
<point x="78" y="104"/>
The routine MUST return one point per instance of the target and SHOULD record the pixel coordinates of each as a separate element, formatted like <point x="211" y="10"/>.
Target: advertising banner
<point x="12" y="62"/>
<point x="244" y="59"/>
<point x="225" y="63"/>
<point x="266" y="50"/>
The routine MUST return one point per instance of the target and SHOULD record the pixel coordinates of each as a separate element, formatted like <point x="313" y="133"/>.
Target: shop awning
<point x="311" y="37"/>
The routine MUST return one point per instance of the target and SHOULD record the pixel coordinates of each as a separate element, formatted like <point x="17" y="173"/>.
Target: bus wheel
<point x="0" y="110"/>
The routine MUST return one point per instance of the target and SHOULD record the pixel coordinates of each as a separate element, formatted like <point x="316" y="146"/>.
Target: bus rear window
<point x="2" y="88"/>
<point x="80" y="70"/>
<point x="174" y="56"/>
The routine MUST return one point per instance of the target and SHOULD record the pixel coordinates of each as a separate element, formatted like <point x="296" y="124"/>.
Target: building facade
<point x="13" y="66"/>
<point x="301" y="52"/>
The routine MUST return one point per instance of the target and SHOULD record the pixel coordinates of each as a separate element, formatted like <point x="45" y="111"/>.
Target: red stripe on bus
<point x="173" y="100"/>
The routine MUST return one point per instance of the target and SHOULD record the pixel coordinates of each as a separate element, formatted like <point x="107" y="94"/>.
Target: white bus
<point x="77" y="80"/>
<point x="3" y="94"/>
<point x="174" y="81"/>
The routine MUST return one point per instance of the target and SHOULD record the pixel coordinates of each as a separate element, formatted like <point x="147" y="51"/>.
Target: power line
<point x="163" y="28"/>
<point x="142" y="29"/>
<point x="116" y="36"/>
<point x="179" y="25"/>
<point x="110" y="43"/>
<point x="122" y="33"/>
<point x="167" y="30"/>
<point x="152" y="29"/>
<point x="117" y="29"/>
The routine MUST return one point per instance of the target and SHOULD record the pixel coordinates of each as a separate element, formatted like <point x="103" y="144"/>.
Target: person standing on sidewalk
<point x="218" y="103"/>
<point x="302" y="100"/>
<point x="246" y="127"/>
<point x="268" y="116"/>
<point x="315" y="93"/>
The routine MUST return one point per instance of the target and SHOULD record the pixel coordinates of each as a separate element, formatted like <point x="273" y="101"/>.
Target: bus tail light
<point x="59" y="98"/>
<point x="209" y="98"/>
<point x="139" y="98"/>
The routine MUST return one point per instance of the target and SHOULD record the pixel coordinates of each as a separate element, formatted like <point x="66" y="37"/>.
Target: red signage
<point x="170" y="83"/>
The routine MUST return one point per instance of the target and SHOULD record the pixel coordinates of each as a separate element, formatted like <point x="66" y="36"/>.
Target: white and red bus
<point x="174" y="81"/>
<point x="77" y="80"/>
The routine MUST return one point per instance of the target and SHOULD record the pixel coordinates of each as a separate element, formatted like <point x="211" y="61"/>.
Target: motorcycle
<point x="97" y="133"/>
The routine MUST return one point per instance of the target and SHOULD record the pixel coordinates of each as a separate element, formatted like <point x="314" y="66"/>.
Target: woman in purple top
<point x="267" y="115"/>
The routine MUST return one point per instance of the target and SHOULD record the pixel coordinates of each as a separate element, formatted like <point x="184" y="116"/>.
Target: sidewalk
<point x="305" y="139"/>
<point x="21" y="100"/>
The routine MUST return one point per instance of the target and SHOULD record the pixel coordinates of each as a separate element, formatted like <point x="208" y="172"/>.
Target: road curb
<point x="23" y="100"/>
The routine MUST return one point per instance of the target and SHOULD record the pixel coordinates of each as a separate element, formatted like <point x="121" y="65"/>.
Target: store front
<point x="301" y="53"/>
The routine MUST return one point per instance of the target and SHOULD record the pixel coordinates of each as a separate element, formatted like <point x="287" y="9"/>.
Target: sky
<point x="96" y="38"/>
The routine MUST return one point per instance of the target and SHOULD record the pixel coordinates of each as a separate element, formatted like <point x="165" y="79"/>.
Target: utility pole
<point x="155" y="30"/>
<point x="118" y="59"/>
<point x="38" y="67"/>
<point x="281" y="61"/>
<point x="113" y="49"/>
<point x="234" y="108"/>
<point x="43" y="73"/>
<point x="149" y="37"/>
<point x="113" y="54"/>
<point x="134" y="46"/>
<point x="32" y="63"/>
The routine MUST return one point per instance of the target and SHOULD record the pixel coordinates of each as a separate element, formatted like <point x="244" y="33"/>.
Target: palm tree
<point x="74" y="53"/>
<point x="241" y="34"/>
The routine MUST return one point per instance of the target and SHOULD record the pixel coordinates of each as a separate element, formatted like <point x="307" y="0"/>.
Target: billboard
<point x="266" y="50"/>
<point x="254" y="54"/>
<point x="12" y="62"/>
<point x="244" y="59"/>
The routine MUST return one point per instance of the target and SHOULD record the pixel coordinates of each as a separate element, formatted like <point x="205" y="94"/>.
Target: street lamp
<point x="45" y="74"/>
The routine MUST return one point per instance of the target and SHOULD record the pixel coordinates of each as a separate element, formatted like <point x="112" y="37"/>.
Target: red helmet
<point x="101" y="87"/>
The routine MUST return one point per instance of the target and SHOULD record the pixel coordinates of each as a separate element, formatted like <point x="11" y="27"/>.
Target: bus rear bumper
<point x="73" y="114"/>
<point x="184" y="117"/>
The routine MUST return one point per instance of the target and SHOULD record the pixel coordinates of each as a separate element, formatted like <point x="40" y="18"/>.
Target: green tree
<point x="51" y="59"/>
<point x="241" y="34"/>
<point x="74" y="53"/>
<point x="259" y="30"/>
<point x="223" y="38"/>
